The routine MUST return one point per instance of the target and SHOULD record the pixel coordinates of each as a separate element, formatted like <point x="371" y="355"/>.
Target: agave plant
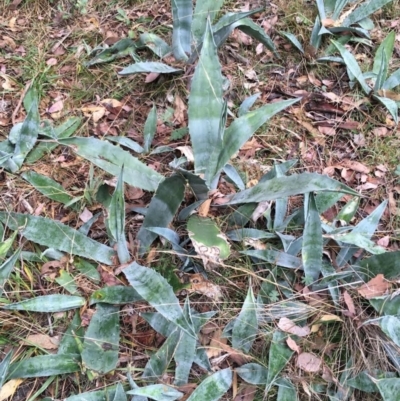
<point x="189" y="27"/>
<point x="381" y="84"/>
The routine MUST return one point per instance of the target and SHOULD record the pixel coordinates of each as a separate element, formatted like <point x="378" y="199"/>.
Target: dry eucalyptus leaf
<point x="309" y="362"/>
<point x="289" y="326"/>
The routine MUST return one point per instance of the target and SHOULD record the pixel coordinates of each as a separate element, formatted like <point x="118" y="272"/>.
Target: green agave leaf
<point x="253" y="373"/>
<point x="392" y="81"/>
<point x="56" y="235"/>
<point x="359" y="240"/>
<point x="6" y="268"/>
<point x="392" y="351"/>
<point x="44" y="365"/>
<point x="149" y="130"/>
<point x="282" y="187"/>
<point x="5" y="363"/>
<point x="162" y="209"/>
<point x="386" y="305"/>
<point x="182" y="11"/>
<point x="27" y="134"/>
<point x="116" y="220"/>
<point x="349" y="210"/>
<point x="279" y="356"/>
<point x="152" y="41"/>
<point x="196" y="183"/>
<point x="382" y="59"/>
<point x="247" y="103"/>
<point x="111" y="158"/>
<point x="390" y="105"/>
<point x="88" y="270"/>
<point x="365" y="380"/>
<point x="149" y="66"/>
<point x="286" y="391"/>
<point x="321" y="9"/>
<point x="208" y="240"/>
<point x="47" y="303"/>
<point x="364" y="10"/>
<point x="100" y="395"/>
<point x="390" y="325"/>
<point x="203" y="10"/>
<point x="312" y="242"/>
<point x="205" y="110"/>
<point x="69" y="344"/>
<point x="160" y="360"/>
<point x="293" y="40"/>
<point x="65" y="130"/>
<point x="248" y="233"/>
<point x="387" y="264"/>
<point x="340" y="4"/>
<point x="232" y="173"/>
<point x="152" y="287"/>
<point x="315" y="39"/>
<point x="157" y="392"/>
<point x="275" y="257"/>
<point x="366" y="227"/>
<point x="249" y="27"/>
<point x="101" y="342"/>
<point x="115" y="295"/>
<point x="389" y="388"/>
<point x="244" y="127"/>
<point x="214" y="387"/>
<point x="119" y="49"/>
<point x="245" y="328"/>
<point x="159" y="323"/>
<point x="120" y="394"/>
<point x="352" y="65"/>
<point x="67" y="281"/>
<point x="47" y="186"/>
<point x="128" y="143"/>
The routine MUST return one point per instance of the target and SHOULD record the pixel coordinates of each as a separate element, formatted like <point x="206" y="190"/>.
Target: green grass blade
<point x="47" y="186"/>
<point x="253" y="373"/>
<point x="150" y="127"/>
<point x="116" y="220"/>
<point x="364" y="10"/>
<point x="282" y="187"/>
<point x="279" y="356"/>
<point x="111" y="158"/>
<point x="244" y="127"/>
<point x="147" y="67"/>
<point x="312" y="242"/>
<point x="205" y="110"/>
<point x="202" y="10"/>
<point x="366" y="227"/>
<point x="101" y="343"/>
<point x="245" y="328"/>
<point x="47" y="303"/>
<point x="182" y="13"/>
<point x="44" y="365"/>
<point x="54" y="234"/>
<point x="162" y="209"/>
<point x="4" y="365"/>
<point x="214" y="387"/>
<point x="155" y="289"/>
<point x="352" y="65"/>
<point x="115" y="295"/>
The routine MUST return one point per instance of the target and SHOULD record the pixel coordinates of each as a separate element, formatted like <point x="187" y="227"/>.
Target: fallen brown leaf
<point x="42" y="341"/>
<point x="293" y="345"/>
<point x="375" y="287"/>
<point x="289" y="326"/>
<point x="349" y="303"/>
<point x="309" y="362"/>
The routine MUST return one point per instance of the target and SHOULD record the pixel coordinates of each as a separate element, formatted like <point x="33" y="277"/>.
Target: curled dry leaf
<point x="56" y="107"/>
<point x="355" y="166"/>
<point x="8" y="389"/>
<point x="86" y="215"/>
<point x="293" y="345"/>
<point x="289" y="326"/>
<point x="375" y="287"/>
<point x="349" y="303"/>
<point x="309" y="362"/>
